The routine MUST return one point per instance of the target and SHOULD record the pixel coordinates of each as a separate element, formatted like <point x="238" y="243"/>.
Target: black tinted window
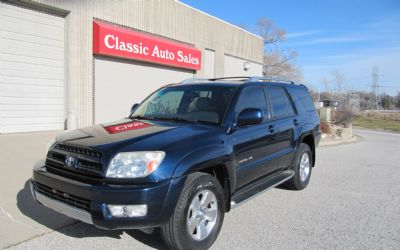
<point x="280" y="102"/>
<point x="302" y="95"/>
<point x="251" y="97"/>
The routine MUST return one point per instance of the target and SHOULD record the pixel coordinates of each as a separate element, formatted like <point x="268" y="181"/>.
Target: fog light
<point x="127" y="210"/>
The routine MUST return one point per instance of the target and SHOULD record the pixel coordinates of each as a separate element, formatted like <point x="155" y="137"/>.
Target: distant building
<point x="330" y="103"/>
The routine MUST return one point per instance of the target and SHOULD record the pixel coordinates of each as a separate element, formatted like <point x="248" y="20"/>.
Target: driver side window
<point x="252" y="97"/>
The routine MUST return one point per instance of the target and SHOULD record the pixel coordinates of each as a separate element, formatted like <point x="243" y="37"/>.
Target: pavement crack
<point x="9" y="216"/>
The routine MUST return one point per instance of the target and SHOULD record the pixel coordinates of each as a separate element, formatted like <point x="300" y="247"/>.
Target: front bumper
<point x="88" y="203"/>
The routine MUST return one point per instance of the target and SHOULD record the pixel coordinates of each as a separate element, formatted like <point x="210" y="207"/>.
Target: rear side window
<point x="251" y="97"/>
<point x="302" y="95"/>
<point x="280" y="103"/>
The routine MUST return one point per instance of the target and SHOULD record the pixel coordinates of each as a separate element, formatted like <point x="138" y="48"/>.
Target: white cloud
<point x="337" y="39"/>
<point x="301" y="34"/>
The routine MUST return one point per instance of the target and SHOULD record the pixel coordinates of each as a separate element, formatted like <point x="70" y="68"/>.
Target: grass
<point x="372" y="123"/>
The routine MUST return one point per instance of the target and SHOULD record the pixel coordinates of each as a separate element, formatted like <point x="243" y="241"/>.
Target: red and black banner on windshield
<point x="127" y="126"/>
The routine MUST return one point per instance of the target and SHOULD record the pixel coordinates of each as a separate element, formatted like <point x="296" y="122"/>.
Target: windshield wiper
<point x="207" y="122"/>
<point x="177" y="119"/>
<point x="139" y="117"/>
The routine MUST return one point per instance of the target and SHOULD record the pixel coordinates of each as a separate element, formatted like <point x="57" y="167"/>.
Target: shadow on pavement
<point x="153" y="240"/>
<point x="70" y="227"/>
<point x="37" y="212"/>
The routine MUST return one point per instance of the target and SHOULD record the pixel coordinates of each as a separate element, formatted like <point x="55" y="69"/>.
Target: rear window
<point x="302" y="95"/>
<point x="280" y="103"/>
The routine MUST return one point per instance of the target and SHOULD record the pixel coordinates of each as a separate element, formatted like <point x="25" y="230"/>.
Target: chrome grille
<point x="86" y="161"/>
<point x="77" y="150"/>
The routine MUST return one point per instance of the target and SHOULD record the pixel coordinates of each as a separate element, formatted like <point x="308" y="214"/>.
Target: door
<point x="31" y="70"/>
<point x="285" y="119"/>
<point x="253" y="144"/>
<point x="121" y="83"/>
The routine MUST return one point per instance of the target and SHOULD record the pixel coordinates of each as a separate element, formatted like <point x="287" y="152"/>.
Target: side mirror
<point x="134" y="106"/>
<point x="250" y="116"/>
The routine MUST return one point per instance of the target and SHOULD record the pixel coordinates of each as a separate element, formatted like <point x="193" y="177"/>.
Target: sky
<point x="331" y="35"/>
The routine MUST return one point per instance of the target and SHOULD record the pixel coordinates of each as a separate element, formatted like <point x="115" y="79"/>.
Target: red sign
<point x="123" y="127"/>
<point x="114" y="41"/>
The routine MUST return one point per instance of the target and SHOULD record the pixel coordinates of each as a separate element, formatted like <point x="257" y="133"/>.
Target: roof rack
<point x="244" y="79"/>
<point x="269" y="79"/>
<point x="194" y="80"/>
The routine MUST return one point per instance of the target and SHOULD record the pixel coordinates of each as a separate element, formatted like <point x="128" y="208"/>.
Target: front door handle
<point x="295" y="122"/>
<point x="271" y="128"/>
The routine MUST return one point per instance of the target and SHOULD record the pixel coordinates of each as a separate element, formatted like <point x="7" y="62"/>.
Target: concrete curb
<point x="376" y="129"/>
<point x="354" y="139"/>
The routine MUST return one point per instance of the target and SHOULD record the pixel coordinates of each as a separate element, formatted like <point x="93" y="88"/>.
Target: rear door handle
<point x="295" y="122"/>
<point x="271" y="128"/>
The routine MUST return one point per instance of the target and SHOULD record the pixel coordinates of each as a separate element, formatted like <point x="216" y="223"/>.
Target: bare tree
<point x="328" y="94"/>
<point x="269" y="32"/>
<point x="335" y="85"/>
<point x="338" y="83"/>
<point x="277" y="62"/>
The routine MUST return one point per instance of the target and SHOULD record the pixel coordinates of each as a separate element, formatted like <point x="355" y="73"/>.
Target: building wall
<point x="168" y="18"/>
<point x="234" y="66"/>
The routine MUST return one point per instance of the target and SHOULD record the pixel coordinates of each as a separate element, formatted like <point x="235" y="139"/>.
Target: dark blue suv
<point x="186" y="155"/>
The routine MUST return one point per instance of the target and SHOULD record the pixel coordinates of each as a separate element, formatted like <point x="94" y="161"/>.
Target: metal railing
<point x="243" y="79"/>
<point x="269" y="79"/>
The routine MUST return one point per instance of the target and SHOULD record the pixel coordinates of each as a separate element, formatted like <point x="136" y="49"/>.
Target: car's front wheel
<point x="198" y="215"/>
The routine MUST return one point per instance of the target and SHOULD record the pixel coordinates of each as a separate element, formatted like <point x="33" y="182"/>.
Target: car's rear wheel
<point x="302" y="167"/>
<point x="198" y="215"/>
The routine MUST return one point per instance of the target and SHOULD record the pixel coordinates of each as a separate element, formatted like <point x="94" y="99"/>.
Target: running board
<point x="256" y="188"/>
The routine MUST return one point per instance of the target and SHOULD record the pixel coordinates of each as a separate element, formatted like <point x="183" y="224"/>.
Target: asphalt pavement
<point x="352" y="202"/>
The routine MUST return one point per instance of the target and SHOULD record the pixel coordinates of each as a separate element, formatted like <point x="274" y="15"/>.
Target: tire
<point x="199" y="187"/>
<point x="302" y="167"/>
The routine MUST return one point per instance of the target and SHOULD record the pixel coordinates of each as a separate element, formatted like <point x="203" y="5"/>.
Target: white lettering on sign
<point x="113" y="42"/>
<point x="187" y="58"/>
<point x="106" y="41"/>
<point x="129" y="125"/>
<point x="162" y="53"/>
<point x="122" y="127"/>
<point x="110" y="40"/>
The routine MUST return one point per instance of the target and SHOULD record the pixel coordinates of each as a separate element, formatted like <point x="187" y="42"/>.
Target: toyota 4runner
<point x="186" y="155"/>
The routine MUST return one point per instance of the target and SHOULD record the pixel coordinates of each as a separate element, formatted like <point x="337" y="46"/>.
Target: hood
<point x="146" y="134"/>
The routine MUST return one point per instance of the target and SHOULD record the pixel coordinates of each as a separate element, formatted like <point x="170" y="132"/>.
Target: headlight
<point x="134" y="164"/>
<point x="48" y="146"/>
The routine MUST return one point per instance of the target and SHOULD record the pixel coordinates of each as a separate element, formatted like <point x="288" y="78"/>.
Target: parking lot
<point x="352" y="202"/>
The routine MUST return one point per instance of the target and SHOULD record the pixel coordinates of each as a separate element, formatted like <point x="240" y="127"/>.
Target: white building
<point x="67" y="64"/>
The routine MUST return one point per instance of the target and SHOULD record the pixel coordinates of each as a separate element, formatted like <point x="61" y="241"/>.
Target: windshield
<point x="199" y="104"/>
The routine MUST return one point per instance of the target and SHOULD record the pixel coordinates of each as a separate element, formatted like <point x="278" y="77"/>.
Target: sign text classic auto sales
<point x="114" y="41"/>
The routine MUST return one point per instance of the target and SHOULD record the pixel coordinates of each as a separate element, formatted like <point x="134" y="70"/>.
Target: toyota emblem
<point x="70" y="161"/>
